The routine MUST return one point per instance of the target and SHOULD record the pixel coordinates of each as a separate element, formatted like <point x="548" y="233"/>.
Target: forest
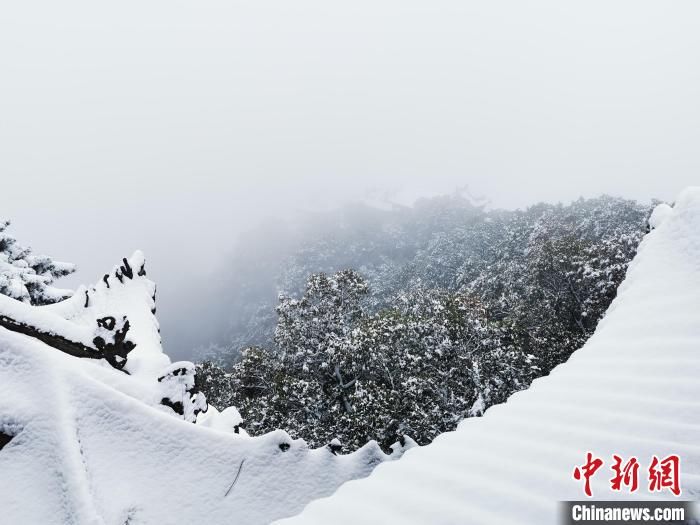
<point x="394" y="324"/>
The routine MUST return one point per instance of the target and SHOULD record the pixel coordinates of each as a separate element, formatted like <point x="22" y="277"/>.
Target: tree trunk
<point x="55" y="341"/>
<point x="115" y="351"/>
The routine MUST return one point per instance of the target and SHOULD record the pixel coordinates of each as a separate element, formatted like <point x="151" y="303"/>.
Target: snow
<point x="477" y="408"/>
<point x="632" y="390"/>
<point x="229" y="420"/>
<point x="178" y="387"/>
<point x="662" y="212"/>
<point x="93" y="445"/>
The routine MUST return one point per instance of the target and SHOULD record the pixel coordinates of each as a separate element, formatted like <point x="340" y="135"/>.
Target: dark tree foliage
<point x="451" y="309"/>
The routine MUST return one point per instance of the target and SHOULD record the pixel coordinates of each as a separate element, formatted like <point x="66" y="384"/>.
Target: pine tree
<point x="28" y="277"/>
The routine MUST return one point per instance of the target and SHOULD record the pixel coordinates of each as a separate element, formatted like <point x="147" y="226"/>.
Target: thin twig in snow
<point x="240" y="467"/>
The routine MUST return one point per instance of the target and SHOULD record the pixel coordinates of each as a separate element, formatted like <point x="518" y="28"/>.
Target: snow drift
<point x="632" y="390"/>
<point x="82" y="442"/>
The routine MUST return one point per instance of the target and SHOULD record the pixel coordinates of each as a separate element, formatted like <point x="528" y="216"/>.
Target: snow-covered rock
<point x="229" y="420"/>
<point x="632" y="390"/>
<point x="662" y="212"/>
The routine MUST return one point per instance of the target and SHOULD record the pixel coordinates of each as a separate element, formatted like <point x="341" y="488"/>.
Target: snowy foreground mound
<point x="102" y="436"/>
<point x="632" y="390"/>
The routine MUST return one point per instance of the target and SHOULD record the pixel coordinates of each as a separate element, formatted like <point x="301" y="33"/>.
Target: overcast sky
<point x="169" y="125"/>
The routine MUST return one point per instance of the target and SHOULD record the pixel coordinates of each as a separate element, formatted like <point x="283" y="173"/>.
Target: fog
<point x="173" y="126"/>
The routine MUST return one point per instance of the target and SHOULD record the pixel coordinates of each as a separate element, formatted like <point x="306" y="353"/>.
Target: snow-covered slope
<point x="632" y="390"/>
<point x="89" y="444"/>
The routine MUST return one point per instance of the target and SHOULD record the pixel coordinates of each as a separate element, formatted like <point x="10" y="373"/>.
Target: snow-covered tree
<point x="28" y="277"/>
<point x="312" y="338"/>
<point x="220" y="391"/>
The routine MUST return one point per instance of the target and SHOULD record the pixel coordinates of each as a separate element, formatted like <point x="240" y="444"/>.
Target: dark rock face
<point x="4" y="440"/>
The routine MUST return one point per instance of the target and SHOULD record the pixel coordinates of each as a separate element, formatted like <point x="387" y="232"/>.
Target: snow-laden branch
<point x="106" y="339"/>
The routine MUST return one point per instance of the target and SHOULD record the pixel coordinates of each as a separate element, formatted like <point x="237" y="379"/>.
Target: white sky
<point x="169" y="125"/>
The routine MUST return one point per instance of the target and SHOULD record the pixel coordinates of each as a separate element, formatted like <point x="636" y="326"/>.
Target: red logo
<point x="663" y="473"/>
<point x="586" y="471"/>
<point x="627" y="475"/>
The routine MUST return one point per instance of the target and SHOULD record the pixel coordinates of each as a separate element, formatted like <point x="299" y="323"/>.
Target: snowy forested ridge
<point x="630" y="391"/>
<point x="403" y="322"/>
